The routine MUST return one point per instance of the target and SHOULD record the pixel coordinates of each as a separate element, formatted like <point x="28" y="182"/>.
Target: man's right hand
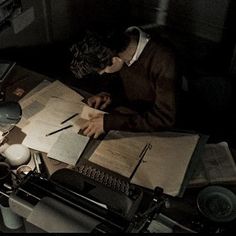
<point x="100" y="101"/>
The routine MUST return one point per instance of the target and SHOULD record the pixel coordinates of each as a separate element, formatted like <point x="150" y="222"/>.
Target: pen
<point x="69" y="118"/>
<point x="36" y="162"/>
<point x="59" y="130"/>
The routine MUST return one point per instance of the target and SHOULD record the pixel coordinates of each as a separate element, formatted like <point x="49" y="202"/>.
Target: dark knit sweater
<point x="149" y="90"/>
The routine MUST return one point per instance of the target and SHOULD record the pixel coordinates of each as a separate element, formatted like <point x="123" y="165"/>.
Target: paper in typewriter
<point x="163" y="165"/>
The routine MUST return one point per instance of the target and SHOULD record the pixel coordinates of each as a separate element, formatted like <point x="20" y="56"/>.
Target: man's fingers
<point x="93" y="127"/>
<point x="94" y="102"/>
<point x="97" y="103"/>
<point x="84" y="125"/>
<point x="96" y="135"/>
<point x="105" y="104"/>
<point x="91" y="133"/>
<point x="86" y="131"/>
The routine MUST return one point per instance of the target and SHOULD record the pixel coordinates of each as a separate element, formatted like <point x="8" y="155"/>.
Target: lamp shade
<point x="10" y="115"/>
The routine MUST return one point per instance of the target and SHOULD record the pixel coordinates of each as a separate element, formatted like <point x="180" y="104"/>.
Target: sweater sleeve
<point x="161" y="115"/>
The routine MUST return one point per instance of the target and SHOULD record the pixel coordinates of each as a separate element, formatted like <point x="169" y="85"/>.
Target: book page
<point x="165" y="164"/>
<point x="217" y="166"/>
<point x="120" y="152"/>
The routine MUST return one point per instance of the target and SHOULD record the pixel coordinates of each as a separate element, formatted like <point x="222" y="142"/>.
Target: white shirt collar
<point x="143" y="40"/>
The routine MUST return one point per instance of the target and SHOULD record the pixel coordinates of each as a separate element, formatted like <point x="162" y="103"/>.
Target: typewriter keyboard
<point x="104" y="178"/>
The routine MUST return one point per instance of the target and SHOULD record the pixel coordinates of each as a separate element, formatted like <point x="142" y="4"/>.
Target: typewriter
<point x="84" y="200"/>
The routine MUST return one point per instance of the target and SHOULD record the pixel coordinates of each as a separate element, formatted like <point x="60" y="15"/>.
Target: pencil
<point x="56" y="131"/>
<point x="69" y="118"/>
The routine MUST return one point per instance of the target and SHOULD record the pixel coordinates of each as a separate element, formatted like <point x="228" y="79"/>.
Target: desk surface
<point x="21" y="79"/>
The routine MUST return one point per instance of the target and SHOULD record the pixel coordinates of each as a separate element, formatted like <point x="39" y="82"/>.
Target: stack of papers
<point x="44" y="111"/>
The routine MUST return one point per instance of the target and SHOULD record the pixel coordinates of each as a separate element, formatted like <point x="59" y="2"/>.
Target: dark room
<point x="117" y="116"/>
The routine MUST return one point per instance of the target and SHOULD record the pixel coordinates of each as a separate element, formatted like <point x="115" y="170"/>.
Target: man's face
<point x="117" y="64"/>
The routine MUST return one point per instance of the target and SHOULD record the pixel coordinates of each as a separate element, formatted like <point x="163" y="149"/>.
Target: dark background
<point x="202" y="31"/>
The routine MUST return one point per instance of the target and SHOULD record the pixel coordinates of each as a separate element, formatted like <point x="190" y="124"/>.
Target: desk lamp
<point x="10" y="115"/>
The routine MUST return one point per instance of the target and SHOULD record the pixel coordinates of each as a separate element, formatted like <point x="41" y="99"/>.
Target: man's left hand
<point x="94" y="126"/>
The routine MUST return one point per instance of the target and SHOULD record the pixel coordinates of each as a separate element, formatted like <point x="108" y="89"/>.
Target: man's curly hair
<point x="95" y="52"/>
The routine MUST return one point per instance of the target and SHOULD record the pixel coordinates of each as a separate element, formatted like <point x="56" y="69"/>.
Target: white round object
<point x="17" y="154"/>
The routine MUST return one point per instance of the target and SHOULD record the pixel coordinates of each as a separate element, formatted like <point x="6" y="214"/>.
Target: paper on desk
<point x="120" y="152"/>
<point x="31" y="111"/>
<point x="68" y="147"/>
<point x="217" y="166"/>
<point x="36" y="89"/>
<point x="36" y="135"/>
<point x="35" y="103"/>
<point x="56" y="111"/>
<point x="166" y="163"/>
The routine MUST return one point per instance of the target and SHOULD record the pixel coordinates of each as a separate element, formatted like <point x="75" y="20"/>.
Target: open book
<point x="216" y="166"/>
<point x="149" y="159"/>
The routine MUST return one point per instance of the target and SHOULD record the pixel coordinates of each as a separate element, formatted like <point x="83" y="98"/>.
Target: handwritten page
<point x="120" y="152"/>
<point x="148" y="159"/>
<point x="165" y="164"/>
<point x="68" y="147"/>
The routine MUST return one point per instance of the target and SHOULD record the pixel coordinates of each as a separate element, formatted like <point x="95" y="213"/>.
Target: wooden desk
<point x="25" y="80"/>
<point x="21" y="79"/>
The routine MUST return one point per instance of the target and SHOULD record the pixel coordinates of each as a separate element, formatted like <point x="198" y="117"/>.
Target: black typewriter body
<point x="117" y="211"/>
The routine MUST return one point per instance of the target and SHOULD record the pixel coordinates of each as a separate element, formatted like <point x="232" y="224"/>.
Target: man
<point x="147" y="70"/>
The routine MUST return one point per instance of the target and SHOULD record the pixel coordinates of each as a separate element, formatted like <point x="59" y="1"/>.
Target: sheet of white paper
<point x="165" y="164"/>
<point x="68" y="147"/>
<point x="35" y="103"/>
<point x="26" y="113"/>
<point x="56" y="111"/>
<point x="35" y="90"/>
<point x="36" y="135"/>
<point x="120" y="152"/>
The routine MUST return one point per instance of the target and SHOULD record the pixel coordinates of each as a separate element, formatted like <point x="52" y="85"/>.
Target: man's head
<point x="97" y="53"/>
